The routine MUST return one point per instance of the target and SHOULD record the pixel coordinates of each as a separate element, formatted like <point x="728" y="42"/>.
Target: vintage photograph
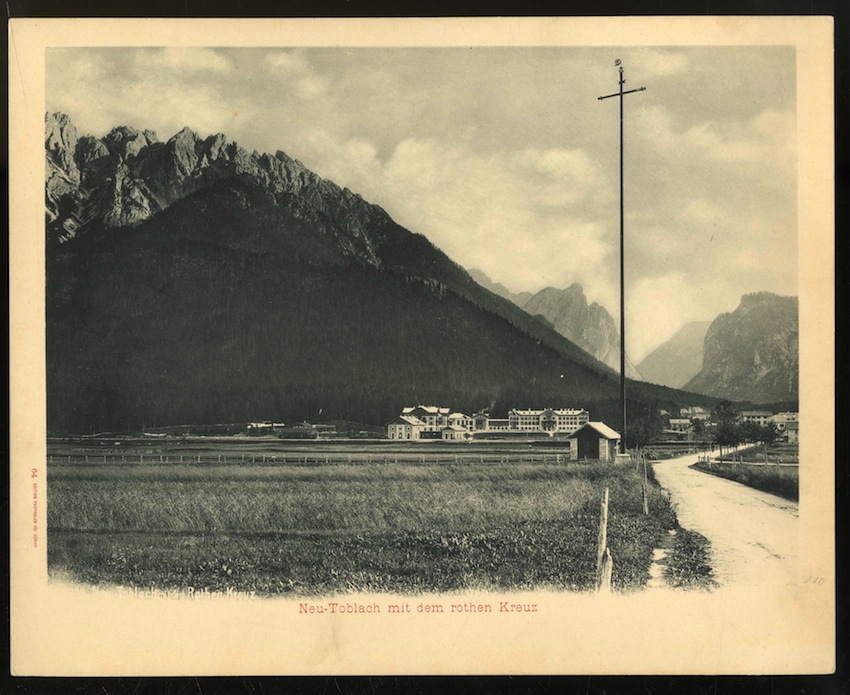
<point x="381" y="330"/>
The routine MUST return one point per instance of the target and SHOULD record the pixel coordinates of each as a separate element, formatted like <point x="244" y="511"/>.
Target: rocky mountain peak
<point x="142" y="176"/>
<point x="185" y="134"/>
<point x="214" y="145"/>
<point x="752" y="353"/>
<point x="127" y="141"/>
<point x="89" y="149"/>
<point x="60" y="143"/>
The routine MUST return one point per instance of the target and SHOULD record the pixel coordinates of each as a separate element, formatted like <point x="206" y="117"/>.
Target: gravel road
<point x="753" y="534"/>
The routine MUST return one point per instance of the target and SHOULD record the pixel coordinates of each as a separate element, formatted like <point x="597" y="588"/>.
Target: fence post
<point x="645" y="490"/>
<point x="607" y="571"/>
<point x="602" y="545"/>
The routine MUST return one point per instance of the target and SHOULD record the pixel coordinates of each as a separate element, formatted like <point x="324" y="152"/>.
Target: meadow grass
<point x="323" y="529"/>
<point x="783" y="481"/>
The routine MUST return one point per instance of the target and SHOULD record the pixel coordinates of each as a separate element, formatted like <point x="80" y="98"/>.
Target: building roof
<point x="680" y="420"/>
<point x="406" y="420"/>
<point x="600" y="427"/>
<point x="429" y="409"/>
<point x="457" y="416"/>
<point x="454" y="428"/>
<point x="540" y="411"/>
<point x="756" y="413"/>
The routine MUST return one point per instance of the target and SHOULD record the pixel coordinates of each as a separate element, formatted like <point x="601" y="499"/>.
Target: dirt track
<point x="753" y="534"/>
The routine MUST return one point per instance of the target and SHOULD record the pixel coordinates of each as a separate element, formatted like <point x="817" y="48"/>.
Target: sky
<point x="504" y="158"/>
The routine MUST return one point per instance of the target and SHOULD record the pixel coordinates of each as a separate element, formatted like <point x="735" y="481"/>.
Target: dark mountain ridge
<point x="191" y="281"/>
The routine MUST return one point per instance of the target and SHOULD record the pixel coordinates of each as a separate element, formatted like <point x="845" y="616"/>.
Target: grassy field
<point x="319" y="529"/>
<point x="783" y="481"/>
<point x="775" y="453"/>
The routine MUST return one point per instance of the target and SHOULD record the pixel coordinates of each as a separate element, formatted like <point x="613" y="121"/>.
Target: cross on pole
<point x="620" y="94"/>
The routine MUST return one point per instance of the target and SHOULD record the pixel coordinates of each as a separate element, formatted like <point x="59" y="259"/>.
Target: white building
<point x="781" y="420"/>
<point x="461" y="420"/>
<point x="415" y="420"/>
<point x="405" y="427"/>
<point x="549" y="420"/>
<point x="433" y="417"/>
<point x="695" y="412"/>
<point x="680" y="424"/>
<point x="454" y="432"/>
<point x="760" y="417"/>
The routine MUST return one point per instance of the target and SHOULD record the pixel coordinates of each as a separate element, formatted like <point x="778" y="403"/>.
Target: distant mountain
<point x="190" y="281"/>
<point x="498" y="288"/>
<point x="590" y="327"/>
<point x="677" y="361"/>
<point x="752" y="353"/>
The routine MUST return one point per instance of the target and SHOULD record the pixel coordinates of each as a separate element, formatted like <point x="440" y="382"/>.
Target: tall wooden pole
<point x="622" y="259"/>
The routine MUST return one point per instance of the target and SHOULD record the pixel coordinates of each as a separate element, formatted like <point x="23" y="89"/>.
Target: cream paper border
<point x="61" y="630"/>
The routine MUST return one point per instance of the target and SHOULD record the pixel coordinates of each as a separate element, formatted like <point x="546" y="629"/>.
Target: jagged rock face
<point x="567" y="311"/>
<point x="129" y="176"/>
<point x="62" y="176"/>
<point x="752" y="354"/>
<point x="128" y="142"/>
<point x="678" y="360"/>
<point x="588" y="326"/>
<point x="90" y="149"/>
<point x="60" y="143"/>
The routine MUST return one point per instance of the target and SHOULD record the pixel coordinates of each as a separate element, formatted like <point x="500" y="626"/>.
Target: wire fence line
<point x="300" y="459"/>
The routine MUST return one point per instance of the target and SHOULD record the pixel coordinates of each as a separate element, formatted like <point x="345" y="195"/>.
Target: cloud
<point x="293" y="69"/>
<point x="185" y="60"/>
<point x="767" y="137"/>
<point x="519" y="215"/>
<point x="157" y="89"/>
<point x="310" y="87"/>
<point x="648" y="62"/>
<point x="286" y="62"/>
<point x="671" y="300"/>
<point x="701" y="212"/>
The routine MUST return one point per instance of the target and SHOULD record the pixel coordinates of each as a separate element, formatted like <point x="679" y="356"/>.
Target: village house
<point x="760" y="417"/>
<point x="405" y="427"/>
<point x="595" y="441"/>
<point x="680" y="424"/>
<point x="434" y="418"/>
<point x="792" y="432"/>
<point x="781" y="420"/>
<point x="265" y="428"/>
<point x="695" y="412"/>
<point x="482" y="422"/>
<point x="461" y="420"/>
<point x="455" y="432"/>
